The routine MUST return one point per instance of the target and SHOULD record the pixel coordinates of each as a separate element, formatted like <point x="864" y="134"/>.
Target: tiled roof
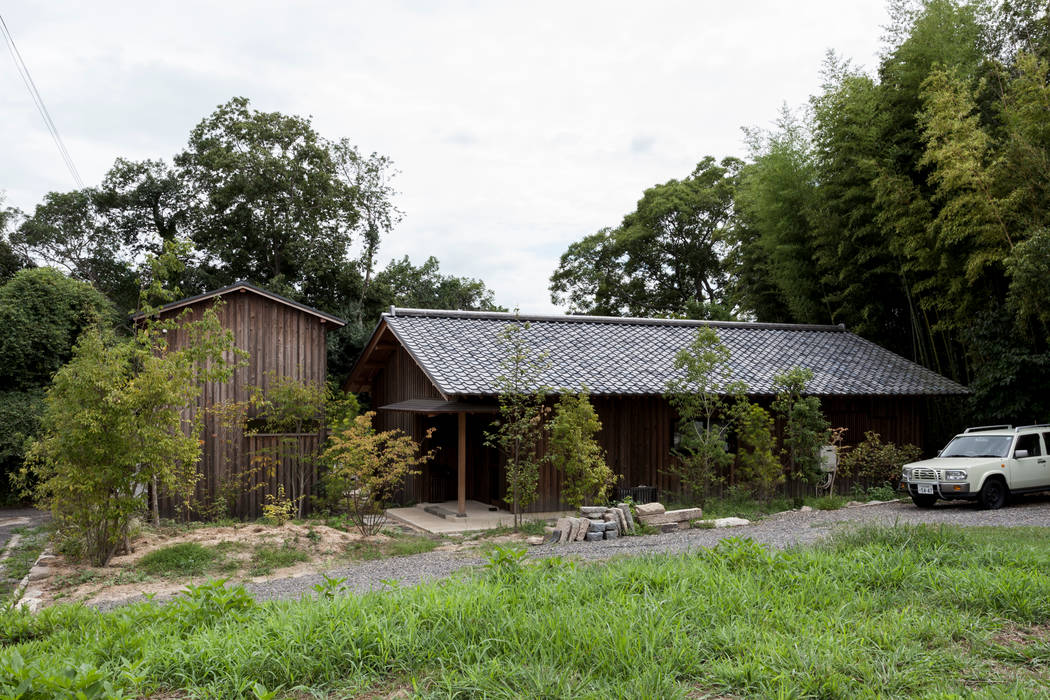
<point x="461" y="352"/>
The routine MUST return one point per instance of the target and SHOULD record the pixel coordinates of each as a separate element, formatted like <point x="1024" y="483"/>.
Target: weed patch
<point x="179" y="560"/>
<point x="267" y="558"/>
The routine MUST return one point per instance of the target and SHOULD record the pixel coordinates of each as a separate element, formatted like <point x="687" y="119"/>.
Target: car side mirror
<point x="1020" y="454"/>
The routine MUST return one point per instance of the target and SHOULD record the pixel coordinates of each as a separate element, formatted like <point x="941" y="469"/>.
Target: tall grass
<point x="900" y="612"/>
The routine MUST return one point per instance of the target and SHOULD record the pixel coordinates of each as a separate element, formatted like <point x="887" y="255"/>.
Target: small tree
<point x="112" y="428"/>
<point x="520" y="426"/>
<point x="366" y="468"/>
<point x="757" y="462"/>
<point x="698" y="396"/>
<point x="805" y="428"/>
<point x="878" y="461"/>
<point x="574" y="450"/>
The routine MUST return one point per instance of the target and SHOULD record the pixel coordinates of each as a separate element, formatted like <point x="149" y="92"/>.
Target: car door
<point x="1029" y="471"/>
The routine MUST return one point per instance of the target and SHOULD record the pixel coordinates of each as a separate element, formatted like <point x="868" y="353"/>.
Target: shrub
<point x="876" y="460"/>
<point x="366" y="468"/>
<point x="806" y="429"/>
<point x="575" y="452"/>
<point x="757" y="464"/>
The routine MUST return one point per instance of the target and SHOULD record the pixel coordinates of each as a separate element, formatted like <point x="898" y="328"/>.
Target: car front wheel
<point x="993" y="494"/>
<point x="923" y="500"/>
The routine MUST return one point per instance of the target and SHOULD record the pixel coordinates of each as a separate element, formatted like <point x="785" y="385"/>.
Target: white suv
<point x="983" y="464"/>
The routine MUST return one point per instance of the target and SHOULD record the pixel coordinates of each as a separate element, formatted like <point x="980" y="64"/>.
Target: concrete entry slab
<point x="442" y="518"/>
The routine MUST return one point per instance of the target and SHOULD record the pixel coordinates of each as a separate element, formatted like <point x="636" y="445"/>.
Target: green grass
<point x="399" y="545"/>
<point x="268" y="557"/>
<point x="22" y="558"/>
<point x="911" y="611"/>
<point x="527" y="527"/>
<point x="180" y="560"/>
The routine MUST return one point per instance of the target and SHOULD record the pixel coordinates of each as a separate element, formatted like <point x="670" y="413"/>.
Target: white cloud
<point x="517" y="128"/>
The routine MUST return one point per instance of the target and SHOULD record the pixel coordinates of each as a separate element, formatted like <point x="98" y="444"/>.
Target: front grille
<point x="924" y="475"/>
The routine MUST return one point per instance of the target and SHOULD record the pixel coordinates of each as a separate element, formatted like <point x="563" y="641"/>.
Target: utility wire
<point x="27" y="79"/>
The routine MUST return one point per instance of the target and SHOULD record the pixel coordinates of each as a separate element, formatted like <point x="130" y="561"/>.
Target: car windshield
<point x="978" y="446"/>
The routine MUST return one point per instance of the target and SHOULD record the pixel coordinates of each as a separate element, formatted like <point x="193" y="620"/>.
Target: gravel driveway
<point x="780" y="531"/>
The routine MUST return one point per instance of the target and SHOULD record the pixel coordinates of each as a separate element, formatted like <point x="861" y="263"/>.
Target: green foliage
<point x="520" y="428"/>
<point x="43" y="312"/>
<point x="112" y="427"/>
<point x="278" y="508"/>
<point x="330" y="586"/>
<point x="698" y="396"/>
<point x="757" y="466"/>
<point x="805" y="428"/>
<point x="179" y="560"/>
<point x="366" y="468"/>
<point x="877" y="461"/>
<point x="665" y="258"/>
<point x="575" y="452"/>
<point x="983" y="591"/>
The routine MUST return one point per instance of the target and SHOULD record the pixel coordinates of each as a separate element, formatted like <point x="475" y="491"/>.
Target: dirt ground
<point x="326" y="547"/>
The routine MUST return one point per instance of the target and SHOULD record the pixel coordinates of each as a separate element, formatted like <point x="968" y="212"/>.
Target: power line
<point x="27" y="79"/>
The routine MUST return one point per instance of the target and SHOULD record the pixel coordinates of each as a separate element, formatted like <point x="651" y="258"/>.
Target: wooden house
<point x="282" y="338"/>
<point x="438" y="369"/>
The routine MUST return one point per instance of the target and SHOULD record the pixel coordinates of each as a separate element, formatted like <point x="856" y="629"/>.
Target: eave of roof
<point x="248" y="287"/>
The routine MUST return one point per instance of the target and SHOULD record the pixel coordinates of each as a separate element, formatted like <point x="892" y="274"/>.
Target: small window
<point x="1029" y="442"/>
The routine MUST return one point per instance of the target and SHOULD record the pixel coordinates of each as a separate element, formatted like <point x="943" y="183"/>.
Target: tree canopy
<point x="909" y="203"/>
<point x="258" y="196"/>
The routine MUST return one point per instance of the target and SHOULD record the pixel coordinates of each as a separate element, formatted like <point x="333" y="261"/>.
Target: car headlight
<point x="955" y="475"/>
<point x="907" y="473"/>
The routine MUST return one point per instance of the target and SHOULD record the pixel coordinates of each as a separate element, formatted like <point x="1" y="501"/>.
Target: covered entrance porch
<point x="464" y="469"/>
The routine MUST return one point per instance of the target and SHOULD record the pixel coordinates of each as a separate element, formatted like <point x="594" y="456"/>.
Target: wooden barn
<point x="282" y="338"/>
<point x="438" y="369"/>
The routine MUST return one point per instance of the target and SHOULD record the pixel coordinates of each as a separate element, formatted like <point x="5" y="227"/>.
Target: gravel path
<point x="779" y="531"/>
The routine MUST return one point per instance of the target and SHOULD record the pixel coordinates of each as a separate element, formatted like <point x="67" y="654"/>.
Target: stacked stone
<point x="596" y="523"/>
<point x="654" y="515"/>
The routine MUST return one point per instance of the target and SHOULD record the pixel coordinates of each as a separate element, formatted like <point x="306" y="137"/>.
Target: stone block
<point x="672" y="516"/>
<point x="595" y="526"/>
<point x="591" y="511"/>
<point x="650" y="509"/>
<point x="564" y="527"/>
<point x="581" y="529"/>
<point x="669" y="527"/>
<point x="534" y="540"/>
<point x="595" y="536"/>
<point x="611" y="534"/>
<point x="731" y="522"/>
<point x="625" y="508"/>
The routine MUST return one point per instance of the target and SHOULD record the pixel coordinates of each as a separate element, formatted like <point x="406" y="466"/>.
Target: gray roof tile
<point x="461" y="352"/>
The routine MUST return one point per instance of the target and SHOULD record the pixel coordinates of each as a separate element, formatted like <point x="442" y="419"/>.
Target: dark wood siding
<point x="401" y="379"/>
<point x="280" y="341"/>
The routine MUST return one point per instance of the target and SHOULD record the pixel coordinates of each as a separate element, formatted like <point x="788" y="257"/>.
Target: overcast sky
<point x="516" y="128"/>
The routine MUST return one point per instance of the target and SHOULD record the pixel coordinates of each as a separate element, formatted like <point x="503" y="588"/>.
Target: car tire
<point x="923" y="500"/>
<point x="993" y="494"/>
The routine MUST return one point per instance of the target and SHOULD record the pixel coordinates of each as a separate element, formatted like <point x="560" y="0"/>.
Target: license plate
<point x="925" y="488"/>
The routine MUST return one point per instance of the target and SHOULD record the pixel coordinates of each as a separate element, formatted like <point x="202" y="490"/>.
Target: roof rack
<point x="1034" y="425"/>
<point x="979" y="428"/>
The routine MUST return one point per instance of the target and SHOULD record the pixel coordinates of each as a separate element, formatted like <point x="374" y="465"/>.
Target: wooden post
<point x="461" y="457"/>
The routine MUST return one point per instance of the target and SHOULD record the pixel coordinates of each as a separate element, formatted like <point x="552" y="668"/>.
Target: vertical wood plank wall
<point x="399" y="380"/>
<point x="280" y="341"/>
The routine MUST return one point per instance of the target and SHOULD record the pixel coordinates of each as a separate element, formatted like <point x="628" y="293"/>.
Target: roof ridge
<point x="611" y="320"/>
<point x="243" y="285"/>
